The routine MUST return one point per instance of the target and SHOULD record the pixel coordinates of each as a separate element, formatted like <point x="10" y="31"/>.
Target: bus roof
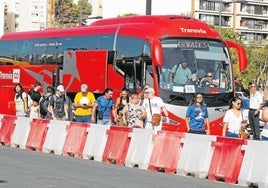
<point x="140" y="26"/>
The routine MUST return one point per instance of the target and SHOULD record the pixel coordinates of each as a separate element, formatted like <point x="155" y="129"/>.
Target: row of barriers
<point x="203" y="156"/>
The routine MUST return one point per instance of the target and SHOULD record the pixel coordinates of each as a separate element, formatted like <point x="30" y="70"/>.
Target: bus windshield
<point x="195" y="66"/>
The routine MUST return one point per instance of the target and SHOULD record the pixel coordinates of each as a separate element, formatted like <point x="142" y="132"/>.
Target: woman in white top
<point x="21" y="101"/>
<point x="234" y="119"/>
<point x="153" y="105"/>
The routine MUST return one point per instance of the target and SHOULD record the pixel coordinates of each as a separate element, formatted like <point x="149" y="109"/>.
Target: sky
<point x="113" y="8"/>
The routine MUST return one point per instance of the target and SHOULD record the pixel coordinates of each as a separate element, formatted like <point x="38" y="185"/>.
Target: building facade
<point x="21" y="16"/>
<point x="247" y="17"/>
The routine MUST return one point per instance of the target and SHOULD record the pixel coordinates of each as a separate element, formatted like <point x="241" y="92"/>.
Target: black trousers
<point x="254" y="123"/>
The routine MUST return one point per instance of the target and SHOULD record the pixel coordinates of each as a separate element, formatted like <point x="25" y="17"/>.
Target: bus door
<point x="85" y="66"/>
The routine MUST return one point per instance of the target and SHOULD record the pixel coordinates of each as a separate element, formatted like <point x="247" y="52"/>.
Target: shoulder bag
<point x="156" y="118"/>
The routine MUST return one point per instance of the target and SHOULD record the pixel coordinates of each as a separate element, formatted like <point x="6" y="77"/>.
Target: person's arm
<point x="114" y="114"/>
<point x="143" y="112"/>
<point x="208" y="126"/>
<point x="187" y="120"/>
<point x="93" y="115"/>
<point x="215" y="83"/>
<point x="117" y="103"/>
<point x="25" y="105"/>
<point x="265" y="114"/>
<point x="165" y="113"/>
<point x="66" y="111"/>
<point x="124" y="111"/>
<point x="224" y="128"/>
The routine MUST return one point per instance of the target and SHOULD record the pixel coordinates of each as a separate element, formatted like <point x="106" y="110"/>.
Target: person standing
<point x="21" y="101"/>
<point x="154" y="106"/>
<point x="83" y="103"/>
<point x="234" y="119"/>
<point x="57" y="105"/>
<point x="44" y="103"/>
<point x="133" y="113"/>
<point x="255" y="104"/>
<point x="35" y="95"/>
<point x="105" y="106"/>
<point x="180" y="73"/>
<point x="120" y="103"/>
<point x="197" y="116"/>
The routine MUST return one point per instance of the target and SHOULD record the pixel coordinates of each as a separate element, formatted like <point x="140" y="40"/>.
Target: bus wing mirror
<point x="157" y="52"/>
<point x="241" y="53"/>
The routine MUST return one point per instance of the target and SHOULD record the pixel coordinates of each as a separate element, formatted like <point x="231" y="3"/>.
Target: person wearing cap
<point x="180" y="73"/>
<point x="58" y="106"/>
<point x="154" y="105"/>
<point x="83" y="103"/>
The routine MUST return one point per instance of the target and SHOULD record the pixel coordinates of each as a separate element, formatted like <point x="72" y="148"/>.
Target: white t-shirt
<point x="234" y="122"/>
<point x="255" y="100"/>
<point x="156" y="105"/>
<point x="19" y="104"/>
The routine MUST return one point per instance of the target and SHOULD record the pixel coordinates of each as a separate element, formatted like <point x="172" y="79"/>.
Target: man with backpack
<point x="44" y="102"/>
<point x="58" y="106"/>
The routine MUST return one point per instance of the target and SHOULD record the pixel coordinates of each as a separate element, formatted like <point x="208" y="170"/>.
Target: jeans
<point x="232" y="135"/>
<point x="264" y="138"/>
<point x="86" y="118"/>
<point x="104" y="121"/>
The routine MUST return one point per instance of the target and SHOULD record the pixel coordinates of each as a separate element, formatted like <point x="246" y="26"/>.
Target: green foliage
<point x="257" y="59"/>
<point x="69" y="14"/>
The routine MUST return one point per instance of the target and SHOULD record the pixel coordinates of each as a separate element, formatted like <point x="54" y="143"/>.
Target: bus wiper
<point x="176" y="97"/>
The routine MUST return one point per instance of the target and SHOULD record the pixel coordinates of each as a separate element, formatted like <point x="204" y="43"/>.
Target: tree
<point x="69" y="14"/>
<point x="84" y="9"/>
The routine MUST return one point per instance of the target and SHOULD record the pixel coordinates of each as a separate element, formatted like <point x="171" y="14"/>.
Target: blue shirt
<point x="105" y="105"/>
<point x="197" y="115"/>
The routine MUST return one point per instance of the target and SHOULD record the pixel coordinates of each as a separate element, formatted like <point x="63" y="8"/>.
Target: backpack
<point x="43" y="105"/>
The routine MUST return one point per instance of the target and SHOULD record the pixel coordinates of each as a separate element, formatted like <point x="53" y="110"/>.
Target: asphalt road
<point x="27" y="169"/>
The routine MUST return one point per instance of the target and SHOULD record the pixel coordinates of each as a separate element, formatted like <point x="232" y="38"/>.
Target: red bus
<point x="127" y="52"/>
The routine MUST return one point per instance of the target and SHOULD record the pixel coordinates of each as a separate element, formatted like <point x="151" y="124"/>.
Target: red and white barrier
<point x="196" y="155"/>
<point x="96" y="141"/>
<point x="218" y="158"/>
<point x="254" y="167"/>
<point x="21" y="132"/>
<point x="140" y="148"/>
<point x="56" y="136"/>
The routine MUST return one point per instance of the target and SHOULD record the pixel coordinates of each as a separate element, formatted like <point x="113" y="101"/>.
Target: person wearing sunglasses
<point x="235" y="119"/>
<point x="209" y="81"/>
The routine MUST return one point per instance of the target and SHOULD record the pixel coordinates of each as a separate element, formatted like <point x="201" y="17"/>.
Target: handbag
<point x="156" y="118"/>
<point x="243" y="133"/>
<point x="100" y="113"/>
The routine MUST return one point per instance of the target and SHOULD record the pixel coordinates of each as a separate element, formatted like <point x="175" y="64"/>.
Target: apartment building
<point x="248" y="17"/>
<point x="21" y="16"/>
